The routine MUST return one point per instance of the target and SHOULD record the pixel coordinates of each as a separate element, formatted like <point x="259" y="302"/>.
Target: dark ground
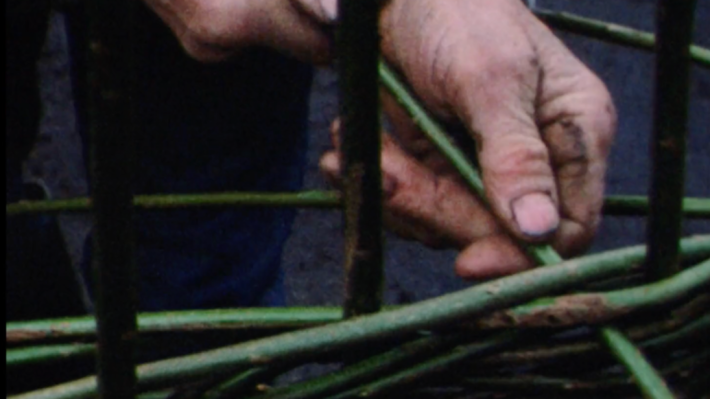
<point x="313" y="255"/>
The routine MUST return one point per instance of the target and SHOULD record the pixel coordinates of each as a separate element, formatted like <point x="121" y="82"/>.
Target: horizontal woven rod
<point x="187" y="320"/>
<point x="613" y="33"/>
<point x="41" y="354"/>
<point x="594" y="308"/>
<point x="616" y="205"/>
<point x="546" y="312"/>
<point x="304" y="199"/>
<point x="636" y="205"/>
<point x="465" y="304"/>
<point x="44" y="354"/>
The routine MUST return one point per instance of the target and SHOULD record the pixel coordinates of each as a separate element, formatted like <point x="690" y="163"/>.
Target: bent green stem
<point x="647" y="378"/>
<point x="613" y="33"/>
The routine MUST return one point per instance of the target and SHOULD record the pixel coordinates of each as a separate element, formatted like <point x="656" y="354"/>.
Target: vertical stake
<point x="674" y="34"/>
<point x="357" y="42"/>
<point x="111" y="129"/>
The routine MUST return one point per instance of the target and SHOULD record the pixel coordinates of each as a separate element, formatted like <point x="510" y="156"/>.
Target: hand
<point x="213" y="30"/>
<point x="543" y="124"/>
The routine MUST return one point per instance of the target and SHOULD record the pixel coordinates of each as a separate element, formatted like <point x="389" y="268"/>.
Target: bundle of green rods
<point x="562" y="330"/>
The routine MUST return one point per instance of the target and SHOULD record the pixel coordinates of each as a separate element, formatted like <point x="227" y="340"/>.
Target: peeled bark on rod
<point x="662" y="330"/>
<point x="615" y="205"/>
<point x="358" y="41"/>
<point x="187" y="320"/>
<point x="593" y="308"/>
<point x="670" y="129"/>
<point x="466" y="304"/>
<point x="112" y="130"/>
<point x="42" y="331"/>
<point x="613" y="33"/>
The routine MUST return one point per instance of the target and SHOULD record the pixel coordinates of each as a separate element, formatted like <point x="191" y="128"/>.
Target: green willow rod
<point x="667" y="332"/>
<point x="645" y="376"/>
<point x="613" y="33"/>
<point x="698" y="328"/>
<point x="636" y="205"/>
<point x="450" y="308"/>
<point x="545" y="312"/>
<point x="544" y="383"/>
<point x="303" y="199"/>
<point x="542" y="254"/>
<point x="186" y="320"/>
<point x="44" y="354"/>
<point x="614" y="205"/>
<point x="592" y="308"/>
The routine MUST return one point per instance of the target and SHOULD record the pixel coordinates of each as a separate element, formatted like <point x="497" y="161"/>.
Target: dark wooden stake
<point x="357" y="41"/>
<point x="111" y="124"/>
<point x="674" y="34"/>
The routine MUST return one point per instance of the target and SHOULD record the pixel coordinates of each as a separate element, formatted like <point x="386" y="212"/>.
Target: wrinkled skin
<point x="543" y="123"/>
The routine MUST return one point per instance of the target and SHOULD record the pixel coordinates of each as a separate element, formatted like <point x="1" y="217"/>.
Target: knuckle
<point x="514" y="155"/>
<point x="208" y="36"/>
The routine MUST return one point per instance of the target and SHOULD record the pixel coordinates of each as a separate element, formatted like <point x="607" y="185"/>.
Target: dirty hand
<point x="542" y="122"/>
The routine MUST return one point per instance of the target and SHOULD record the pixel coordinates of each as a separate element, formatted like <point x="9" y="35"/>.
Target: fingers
<point x="493" y="256"/>
<point x="212" y="30"/>
<point x="439" y="212"/>
<point x="435" y="210"/>
<point x="577" y="119"/>
<point x="496" y="100"/>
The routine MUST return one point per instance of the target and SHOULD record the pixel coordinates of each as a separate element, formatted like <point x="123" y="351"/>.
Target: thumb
<point x="515" y="163"/>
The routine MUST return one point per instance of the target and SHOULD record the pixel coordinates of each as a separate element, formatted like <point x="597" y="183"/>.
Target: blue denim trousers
<point x="238" y="125"/>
